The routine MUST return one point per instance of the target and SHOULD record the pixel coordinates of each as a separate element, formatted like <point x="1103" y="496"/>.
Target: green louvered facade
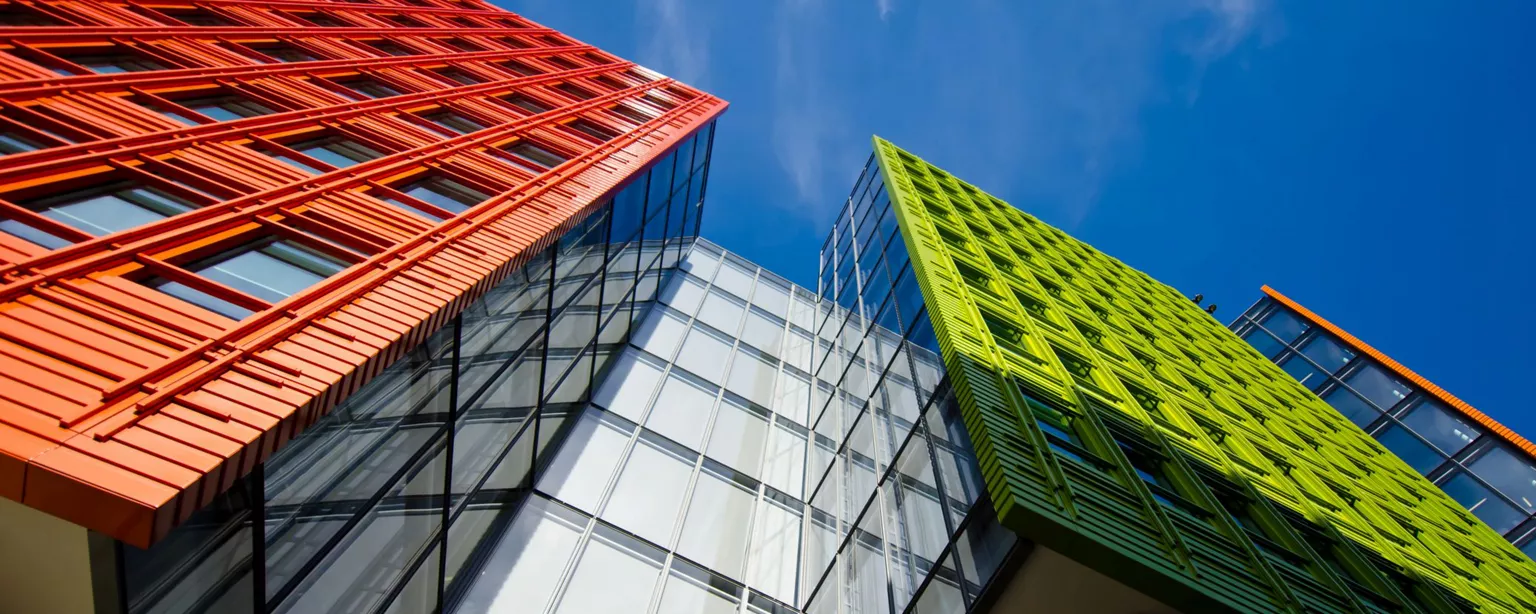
<point x="1119" y="424"/>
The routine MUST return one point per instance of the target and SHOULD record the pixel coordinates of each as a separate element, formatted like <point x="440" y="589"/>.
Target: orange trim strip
<point x="1469" y="411"/>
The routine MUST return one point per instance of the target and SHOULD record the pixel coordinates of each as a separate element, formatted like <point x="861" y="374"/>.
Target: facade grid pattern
<point x="1118" y="424"/>
<point x="218" y="219"/>
<point x="1483" y="469"/>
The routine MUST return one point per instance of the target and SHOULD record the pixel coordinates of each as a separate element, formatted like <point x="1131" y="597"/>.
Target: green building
<point x="1116" y="423"/>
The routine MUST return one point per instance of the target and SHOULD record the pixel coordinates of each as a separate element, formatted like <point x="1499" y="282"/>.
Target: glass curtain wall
<point x="414" y="493"/>
<point x="1495" y="480"/>
<point x="898" y="519"/>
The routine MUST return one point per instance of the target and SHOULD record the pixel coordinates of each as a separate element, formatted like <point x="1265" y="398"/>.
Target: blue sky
<point x="1376" y="166"/>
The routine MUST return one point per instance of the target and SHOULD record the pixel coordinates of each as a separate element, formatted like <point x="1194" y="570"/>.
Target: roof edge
<point x="1503" y="432"/>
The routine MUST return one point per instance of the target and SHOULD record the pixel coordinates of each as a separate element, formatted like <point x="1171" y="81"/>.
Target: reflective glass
<point x="1352" y="406"/>
<point x="1482" y="502"/>
<point x="682" y="410"/>
<point x="683" y="293"/>
<point x="722" y="312"/>
<point x="752" y="377"/>
<point x="775" y="550"/>
<point x="1284" y="324"/>
<point x="793" y="398"/>
<point x="1327" y="352"/>
<point x="738" y="437"/>
<point x="1376" y="385"/>
<point x="763" y="332"/>
<point x="1511" y="473"/>
<point x="693" y="590"/>
<point x="627" y="388"/>
<point x="784" y="463"/>
<point x="1302" y="371"/>
<point x="771" y="296"/>
<point x="649" y="494"/>
<point x="110" y="209"/>
<point x="1413" y="451"/>
<point x="715" y="530"/>
<point x="528" y="561"/>
<point x="734" y="279"/>
<point x="615" y="573"/>
<point x="705" y="354"/>
<point x="1440" y="427"/>
<point x="660" y="333"/>
<point x="700" y="263"/>
<point x="1262" y="341"/>
<point x="586" y="460"/>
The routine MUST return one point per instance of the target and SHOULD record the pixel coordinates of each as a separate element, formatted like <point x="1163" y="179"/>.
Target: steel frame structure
<point x="124" y="409"/>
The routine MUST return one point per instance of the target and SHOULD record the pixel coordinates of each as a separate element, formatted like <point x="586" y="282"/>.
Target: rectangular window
<point x="107" y="60"/>
<point x="280" y="52"/>
<point x="367" y="87"/>
<point x="601" y="134"/>
<point x="269" y="269"/>
<point x="388" y="48"/>
<point x="538" y="156"/>
<point x="336" y="151"/>
<point x="454" y="75"/>
<point x="1513" y="474"/>
<point x="1411" y="449"/>
<point x="109" y="208"/>
<point x="223" y="107"/>
<point x="452" y="123"/>
<point x="445" y="193"/>
<point x="1482" y="502"/>
<point x="1445" y="430"/>
<point x="11" y="143"/>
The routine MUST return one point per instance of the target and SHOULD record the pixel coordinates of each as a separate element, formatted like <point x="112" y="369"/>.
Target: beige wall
<point x="1050" y="582"/>
<point x="45" y="563"/>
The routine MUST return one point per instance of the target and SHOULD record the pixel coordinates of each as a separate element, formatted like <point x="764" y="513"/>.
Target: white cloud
<point x="885" y="7"/>
<point x="673" y="44"/>
<point x="809" y="132"/>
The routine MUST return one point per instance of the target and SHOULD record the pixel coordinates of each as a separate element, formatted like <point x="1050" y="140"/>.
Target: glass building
<point x="1483" y="465"/>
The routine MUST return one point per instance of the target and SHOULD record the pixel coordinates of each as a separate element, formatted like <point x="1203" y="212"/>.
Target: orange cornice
<point x="1427" y="386"/>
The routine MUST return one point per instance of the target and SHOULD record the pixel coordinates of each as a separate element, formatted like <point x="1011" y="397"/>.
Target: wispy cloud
<point x="809" y="133"/>
<point x="672" y="41"/>
<point x="885" y="7"/>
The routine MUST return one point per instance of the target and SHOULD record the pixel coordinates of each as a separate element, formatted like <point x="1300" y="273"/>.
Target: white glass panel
<point x="616" y="573"/>
<point x="587" y="458"/>
<point x="660" y="332"/>
<point x="683" y="293"/>
<point x="701" y="263"/>
<point x="627" y="387"/>
<point x="784" y="465"/>
<point x="734" y="279"/>
<point x="752" y="377"/>
<point x="718" y="523"/>
<point x="772" y="297"/>
<point x="793" y="399"/>
<point x="650" y="492"/>
<point x="705" y="355"/>
<point x="803" y="314"/>
<point x="763" y="333"/>
<point x="797" y="350"/>
<point x="738" y="437"/>
<point x="722" y="312"/>
<point x="526" y="567"/>
<point x="775" y="551"/>
<point x="688" y="592"/>
<point x="682" y="411"/>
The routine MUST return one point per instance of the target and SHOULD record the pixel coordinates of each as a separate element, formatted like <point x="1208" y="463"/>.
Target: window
<point x="454" y="75"/>
<point x="222" y="107"/>
<point x="1482" y="502"/>
<point x="1060" y="434"/>
<point x="11" y="143"/>
<point x="1376" y="386"/>
<point x="538" y="156"/>
<point x="14" y="14"/>
<point x="525" y="103"/>
<point x="592" y="450"/>
<point x="388" y="48"/>
<point x="368" y="87"/>
<point x="1511" y="473"/>
<point x="336" y="151"/>
<point x="715" y="529"/>
<point x="1443" y="429"/>
<point x="615" y="573"/>
<point x="198" y="17"/>
<point x="1284" y="324"/>
<point x="269" y="269"/>
<point x="1326" y="351"/>
<point x="648" y="497"/>
<point x="1415" y="452"/>
<point x="1297" y="367"/>
<point x="445" y="193"/>
<point x="600" y="133"/>
<point x="281" y="52"/>
<point x="109" y="208"/>
<point x="452" y="122"/>
<point x="321" y="19"/>
<point x="106" y="60"/>
<point x="574" y="91"/>
<point x="682" y="409"/>
<point x="1351" y="405"/>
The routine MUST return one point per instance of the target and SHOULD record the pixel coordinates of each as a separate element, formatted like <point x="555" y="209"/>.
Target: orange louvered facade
<point x="124" y="409"/>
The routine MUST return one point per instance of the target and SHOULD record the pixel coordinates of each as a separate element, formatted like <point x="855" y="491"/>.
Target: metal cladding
<point x="1116" y="423"/>
<point x="124" y="409"/>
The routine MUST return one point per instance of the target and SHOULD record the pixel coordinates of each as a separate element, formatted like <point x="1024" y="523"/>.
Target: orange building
<point x="219" y="219"/>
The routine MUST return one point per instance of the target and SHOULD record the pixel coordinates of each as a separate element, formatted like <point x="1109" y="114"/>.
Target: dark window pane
<point x="1487" y="506"/>
<point x="1327" y="352"/>
<point x="1265" y="343"/>
<point x="335" y="151"/>
<point x="539" y="156"/>
<point x="1284" y="325"/>
<point x="1448" y="431"/>
<point x="1377" y="386"/>
<point x="447" y="194"/>
<point x="1415" y="452"/>
<point x="1353" y="407"/>
<point x="1511" y="473"/>
<point x="110" y="208"/>
<point x="1303" y="371"/>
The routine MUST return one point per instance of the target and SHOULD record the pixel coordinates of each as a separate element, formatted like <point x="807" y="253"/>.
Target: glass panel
<point x="1376" y="386"/>
<point x="1265" y="343"/>
<point x="627" y="388"/>
<point x="700" y="263"/>
<point x="705" y="355"/>
<point x="1415" y="452"/>
<point x="650" y="490"/>
<point x="793" y="399"/>
<point x="716" y="530"/>
<point x="1303" y="371"/>
<point x="803" y="314"/>
<point x="1284" y="324"/>
<point x="763" y="333"/>
<point x="734" y="279"/>
<point x="1445" y="430"/>
<point x="580" y="473"/>
<point x="722" y="312"/>
<point x="682" y="410"/>
<point x="752" y="377"/>
<point x="797" y="350"/>
<point x="107" y="210"/>
<point x="981" y="550"/>
<point x="1352" y="406"/>
<point x="772" y="297"/>
<point x="1326" y="351"/>
<point x="1482" y="502"/>
<point x="661" y="332"/>
<point x="684" y="294"/>
<point x="775" y="550"/>
<point x="738" y="437"/>
<point x="272" y="271"/>
<point x="921" y="512"/>
<point x="868" y="589"/>
<point x="616" y="572"/>
<point x="1510" y="473"/>
<point x="693" y="590"/>
<point x="784" y="465"/>
<point x="942" y="595"/>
